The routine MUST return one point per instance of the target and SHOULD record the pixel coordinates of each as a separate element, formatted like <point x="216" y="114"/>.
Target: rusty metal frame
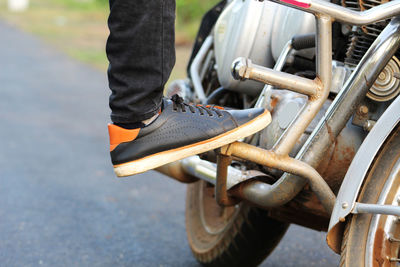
<point x="281" y="162"/>
<point x="317" y="91"/>
<point x="221" y="192"/>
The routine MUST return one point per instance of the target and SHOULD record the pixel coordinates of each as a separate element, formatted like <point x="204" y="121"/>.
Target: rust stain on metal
<point x="330" y="133"/>
<point x="362" y="8"/>
<point x="222" y="196"/>
<point x="379" y="248"/>
<point x="325" y="161"/>
<point x="287" y="164"/>
<point x="335" y="170"/>
<point x="307" y="200"/>
<point x="362" y="110"/>
<point x="296" y="213"/>
<point x="367" y="82"/>
<point x="274" y="101"/>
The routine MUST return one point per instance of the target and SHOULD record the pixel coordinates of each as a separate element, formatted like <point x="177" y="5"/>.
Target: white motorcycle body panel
<point x="258" y="31"/>
<point x="289" y="22"/>
<point x="243" y="29"/>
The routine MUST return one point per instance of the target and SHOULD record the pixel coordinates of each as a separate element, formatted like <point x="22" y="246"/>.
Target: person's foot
<point x="180" y="131"/>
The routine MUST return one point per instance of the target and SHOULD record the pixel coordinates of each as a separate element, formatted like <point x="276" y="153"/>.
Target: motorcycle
<point x="329" y="73"/>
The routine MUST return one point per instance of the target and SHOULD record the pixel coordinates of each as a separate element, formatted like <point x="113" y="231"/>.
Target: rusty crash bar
<point x="280" y="162"/>
<point x="299" y="172"/>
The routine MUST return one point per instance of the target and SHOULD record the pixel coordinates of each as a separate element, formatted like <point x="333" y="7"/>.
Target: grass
<point x="78" y="27"/>
<point x="80" y="32"/>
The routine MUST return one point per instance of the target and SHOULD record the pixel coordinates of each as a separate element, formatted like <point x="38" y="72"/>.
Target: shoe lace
<point x="178" y="103"/>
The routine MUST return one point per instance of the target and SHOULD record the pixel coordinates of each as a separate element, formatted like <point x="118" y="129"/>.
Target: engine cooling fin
<point x="361" y="38"/>
<point x="387" y="85"/>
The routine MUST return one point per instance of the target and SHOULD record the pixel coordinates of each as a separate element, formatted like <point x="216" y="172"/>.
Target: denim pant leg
<point x="141" y="52"/>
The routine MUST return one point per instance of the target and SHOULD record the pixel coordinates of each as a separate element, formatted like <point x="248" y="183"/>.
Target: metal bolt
<point x="368" y="125"/>
<point x="363" y="110"/>
<point x="345" y="205"/>
<point x="392" y="239"/>
<point x="393" y="259"/>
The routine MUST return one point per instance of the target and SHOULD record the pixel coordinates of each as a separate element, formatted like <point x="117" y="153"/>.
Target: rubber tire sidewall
<point x="246" y="242"/>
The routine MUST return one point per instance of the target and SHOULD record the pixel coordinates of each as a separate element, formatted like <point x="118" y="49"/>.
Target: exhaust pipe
<point x="253" y="191"/>
<point x="191" y="169"/>
<point x="174" y="170"/>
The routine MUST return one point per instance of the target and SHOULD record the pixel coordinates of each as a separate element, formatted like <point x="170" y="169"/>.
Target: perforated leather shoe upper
<point x="179" y="125"/>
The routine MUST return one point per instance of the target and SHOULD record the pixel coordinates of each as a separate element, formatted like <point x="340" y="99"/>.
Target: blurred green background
<point x="79" y="28"/>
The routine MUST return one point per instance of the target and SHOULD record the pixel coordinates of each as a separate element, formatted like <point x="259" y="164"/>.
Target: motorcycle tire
<point x="368" y="239"/>
<point x="240" y="235"/>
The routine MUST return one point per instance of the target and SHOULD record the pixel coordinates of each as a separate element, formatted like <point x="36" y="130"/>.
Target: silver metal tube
<point x="284" y="80"/>
<point x="376" y="209"/>
<point x="175" y="171"/>
<point x="339" y="13"/>
<point x="373" y="62"/>
<point x="207" y="171"/>
<point x="201" y="169"/>
<point x="293" y="133"/>
<point x="342" y="14"/>
<point x="195" y="68"/>
<point x="205" y="65"/>
<point x="242" y="68"/>
<point x="280" y="63"/>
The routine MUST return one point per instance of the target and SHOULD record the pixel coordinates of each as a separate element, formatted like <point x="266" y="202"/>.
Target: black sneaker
<point x="180" y="131"/>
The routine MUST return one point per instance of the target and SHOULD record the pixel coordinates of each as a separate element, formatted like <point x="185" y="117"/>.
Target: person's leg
<point x="141" y="53"/>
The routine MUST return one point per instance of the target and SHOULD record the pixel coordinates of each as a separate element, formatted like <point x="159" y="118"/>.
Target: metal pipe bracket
<point x="221" y="192"/>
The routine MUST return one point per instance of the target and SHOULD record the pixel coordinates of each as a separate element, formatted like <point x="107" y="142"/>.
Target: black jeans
<point x="141" y="52"/>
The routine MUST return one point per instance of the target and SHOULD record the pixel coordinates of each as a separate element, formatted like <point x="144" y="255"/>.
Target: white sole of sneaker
<point x="168" y="156"/>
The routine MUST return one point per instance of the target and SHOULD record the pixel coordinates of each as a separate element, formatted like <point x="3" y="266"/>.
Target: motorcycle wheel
<point x="373" y="240"/>
<point x="232" y="236"/>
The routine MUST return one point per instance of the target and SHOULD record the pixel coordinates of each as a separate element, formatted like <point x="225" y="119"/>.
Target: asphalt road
<point x="60" y="204"/>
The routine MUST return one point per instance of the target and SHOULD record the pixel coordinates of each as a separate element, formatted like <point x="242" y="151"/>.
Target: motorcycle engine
<point x="387" y="86"/>
<point x="258" y="31"/>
